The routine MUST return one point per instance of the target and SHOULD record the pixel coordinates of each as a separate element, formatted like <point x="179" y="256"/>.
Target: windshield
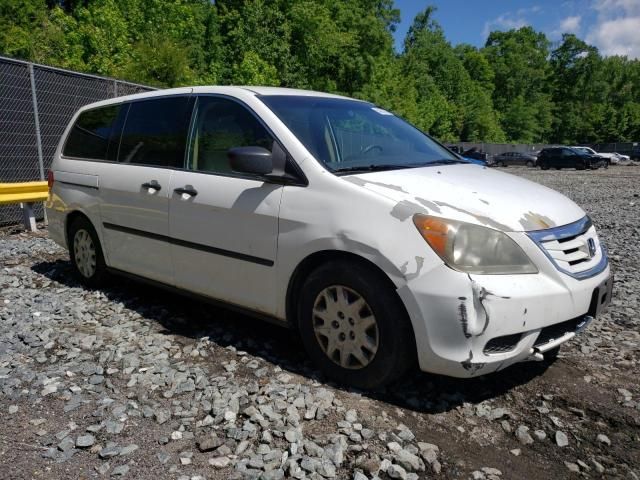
<point x="584" y="150"/>
<point x="349" y="135"/>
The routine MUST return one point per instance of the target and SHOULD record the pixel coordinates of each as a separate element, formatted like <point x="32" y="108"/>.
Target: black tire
<point x="544" y="166"/>
<point x="529" y="163"/>
<point x="396" y="345"/>
<point x="500" y="163"/>
<point x="98" y="275"/>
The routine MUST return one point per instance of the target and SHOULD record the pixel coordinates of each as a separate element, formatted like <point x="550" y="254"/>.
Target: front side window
<point x="91" y="136"/>
<point x="348" y="135"/>
<point x="221" y="124"/>
<point x="155" y="132"/>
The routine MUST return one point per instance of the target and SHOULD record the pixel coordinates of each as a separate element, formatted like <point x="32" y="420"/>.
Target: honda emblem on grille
<point x="592" y="247"/>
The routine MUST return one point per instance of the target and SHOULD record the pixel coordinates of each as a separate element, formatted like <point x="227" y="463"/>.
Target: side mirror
<point x="255" y="160"/>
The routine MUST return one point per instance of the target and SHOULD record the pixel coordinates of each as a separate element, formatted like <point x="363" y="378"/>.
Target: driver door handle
<point x="152" y="184"/>
<point x="188" y="190"/>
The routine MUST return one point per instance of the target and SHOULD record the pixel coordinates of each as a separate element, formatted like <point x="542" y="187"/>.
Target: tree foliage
<point x="516" y="88"/>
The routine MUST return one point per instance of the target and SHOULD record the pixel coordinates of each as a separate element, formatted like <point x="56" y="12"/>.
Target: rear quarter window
<point x="92" y="134"/>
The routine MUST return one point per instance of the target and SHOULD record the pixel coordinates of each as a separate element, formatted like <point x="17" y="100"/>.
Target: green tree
<point x="521" y="86"/>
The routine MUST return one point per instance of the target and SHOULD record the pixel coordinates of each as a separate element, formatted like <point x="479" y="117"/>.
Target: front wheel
<point x="354" y="326"/>
<point x="544" y="166"/>
<point x="86" y="254"/>
<point x="529" y="163"/>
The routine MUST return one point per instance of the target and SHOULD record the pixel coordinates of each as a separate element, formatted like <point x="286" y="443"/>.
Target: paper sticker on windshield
<point x="381" y="111"/>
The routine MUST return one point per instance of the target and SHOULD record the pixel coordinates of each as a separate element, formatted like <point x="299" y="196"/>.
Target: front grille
<point x="502" y="344"/>
<point x="553" y="332"/>
<point x="574" y="249"/>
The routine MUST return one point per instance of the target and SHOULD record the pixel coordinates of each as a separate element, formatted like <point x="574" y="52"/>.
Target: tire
<point x="544" y="166"/>
<point x="85" y="253"/>
<point x="386" y="347"/>
<point x="529" y="163"/>
<point x="499" y="163"/>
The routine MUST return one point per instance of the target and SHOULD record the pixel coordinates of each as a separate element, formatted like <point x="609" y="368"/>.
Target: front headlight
<point x="471" y="248"/>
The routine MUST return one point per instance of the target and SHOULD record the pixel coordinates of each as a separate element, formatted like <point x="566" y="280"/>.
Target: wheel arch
<point x="313" y="261"/>
<point x="72" y="217"/>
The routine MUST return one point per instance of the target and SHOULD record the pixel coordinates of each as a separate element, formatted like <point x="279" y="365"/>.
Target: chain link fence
<point x="36" y="104"/>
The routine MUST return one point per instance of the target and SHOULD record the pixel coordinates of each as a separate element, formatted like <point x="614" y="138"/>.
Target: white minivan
<point x="332" y="216"/>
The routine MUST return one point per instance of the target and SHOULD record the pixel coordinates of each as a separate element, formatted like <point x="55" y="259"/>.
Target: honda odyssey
<point x="332" y="216"/>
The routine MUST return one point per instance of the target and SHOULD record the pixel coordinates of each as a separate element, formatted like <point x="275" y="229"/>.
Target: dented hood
<point x="472" y="194"/>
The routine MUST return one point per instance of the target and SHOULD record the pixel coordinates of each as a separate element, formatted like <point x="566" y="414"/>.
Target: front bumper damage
<point x="469" y="325"/>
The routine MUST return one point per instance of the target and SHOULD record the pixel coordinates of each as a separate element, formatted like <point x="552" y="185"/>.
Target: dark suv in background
<point x="565" y="157"/>
<point x="515" y="158"/>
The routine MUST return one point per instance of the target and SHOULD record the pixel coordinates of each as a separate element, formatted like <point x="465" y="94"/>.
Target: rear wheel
<point x="86" y="254"/>
<point x="353" y="325"/>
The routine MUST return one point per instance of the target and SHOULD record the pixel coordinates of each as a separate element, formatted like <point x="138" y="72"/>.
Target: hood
<point x="473" y="194"/>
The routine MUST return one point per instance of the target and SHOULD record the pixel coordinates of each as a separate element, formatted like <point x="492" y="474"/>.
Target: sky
<point x="611" y="25"/>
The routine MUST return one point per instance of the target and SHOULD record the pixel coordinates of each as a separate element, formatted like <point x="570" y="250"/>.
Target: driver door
<point x="224" y="224"/>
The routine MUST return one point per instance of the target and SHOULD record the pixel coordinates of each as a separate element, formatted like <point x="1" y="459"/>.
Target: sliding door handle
<point x="188" y="190"/>
<point x="152" y="184"/>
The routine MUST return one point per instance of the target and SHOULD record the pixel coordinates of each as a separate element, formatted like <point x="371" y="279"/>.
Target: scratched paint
<point x="481" y="218"/>
<point x="536" y="221"/>
<point x="471" y="366"/>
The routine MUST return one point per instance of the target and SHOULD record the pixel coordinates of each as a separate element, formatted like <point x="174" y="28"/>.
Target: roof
<point x="289" y="91"/>
<point x="229" y="90"/>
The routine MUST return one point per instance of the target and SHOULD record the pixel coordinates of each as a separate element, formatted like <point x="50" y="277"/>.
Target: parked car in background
<point x="612" y="158"/>
<point x="515" y="158"/>
<point x="459" y="152"/>
<point x="476" y="161"/>
<point x="476" y="153"/>
<point x="568" y="157"/>
<point x="624" y="150"/>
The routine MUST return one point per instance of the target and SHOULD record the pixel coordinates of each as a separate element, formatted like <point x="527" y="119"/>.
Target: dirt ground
<point x="576" y="417"/>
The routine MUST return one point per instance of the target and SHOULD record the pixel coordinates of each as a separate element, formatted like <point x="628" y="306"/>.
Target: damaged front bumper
<point x="470" y="325"/>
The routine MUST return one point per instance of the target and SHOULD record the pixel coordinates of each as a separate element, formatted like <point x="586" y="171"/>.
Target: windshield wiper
<point x="390" y="166"/>
<point x="371" y="168"/>
<point x="444" y="161"/>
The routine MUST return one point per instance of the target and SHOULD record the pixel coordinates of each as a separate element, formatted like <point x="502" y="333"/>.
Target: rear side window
<point x="155" y="132"/>
<point x="92" y="135"/>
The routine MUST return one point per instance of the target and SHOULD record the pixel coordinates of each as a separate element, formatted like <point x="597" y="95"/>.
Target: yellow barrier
<point x="24" y="193"/>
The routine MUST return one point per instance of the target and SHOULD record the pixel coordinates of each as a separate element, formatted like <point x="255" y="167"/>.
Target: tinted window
<point x="91" y="135"/>
<point x="155" y="132"/>
<point x="221" y="124"/>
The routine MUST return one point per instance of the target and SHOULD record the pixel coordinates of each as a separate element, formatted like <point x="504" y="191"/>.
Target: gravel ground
<point x="130" y="381"/>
